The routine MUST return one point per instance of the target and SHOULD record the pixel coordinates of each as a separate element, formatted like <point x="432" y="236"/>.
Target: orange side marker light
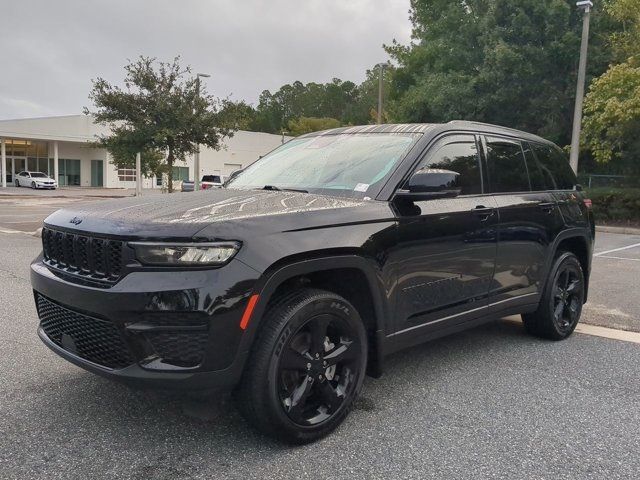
<point x="246" y="316"/>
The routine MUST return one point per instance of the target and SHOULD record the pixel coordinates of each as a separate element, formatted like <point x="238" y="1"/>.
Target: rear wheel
<point x="33" y="185"/>
<point x="561" y="305"/>
<point x="306" y="368"/>
<point x="17" y="182"/>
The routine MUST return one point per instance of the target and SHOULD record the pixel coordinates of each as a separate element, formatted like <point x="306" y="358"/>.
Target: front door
<point x="447" y="247"/>
<point x="96" y="173"/>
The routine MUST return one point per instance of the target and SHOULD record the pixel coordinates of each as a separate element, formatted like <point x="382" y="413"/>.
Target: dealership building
<point x="62" y="148"/>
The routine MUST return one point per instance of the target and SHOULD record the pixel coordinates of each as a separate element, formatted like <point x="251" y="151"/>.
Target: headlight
<point x="185" y="254"/>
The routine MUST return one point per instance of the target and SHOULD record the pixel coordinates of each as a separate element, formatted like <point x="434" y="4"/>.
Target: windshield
<point x="351" y="165"/>
<point x="38" y="175"/>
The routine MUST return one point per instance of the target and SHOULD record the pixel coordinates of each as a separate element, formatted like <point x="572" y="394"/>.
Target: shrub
<point x="615" y="204"/>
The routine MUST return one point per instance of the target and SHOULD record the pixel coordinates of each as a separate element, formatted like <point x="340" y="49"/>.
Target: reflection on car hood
<point x="183" y="215"/>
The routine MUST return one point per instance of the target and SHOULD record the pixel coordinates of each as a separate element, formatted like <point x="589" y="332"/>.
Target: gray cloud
<point x="53" y="49"/>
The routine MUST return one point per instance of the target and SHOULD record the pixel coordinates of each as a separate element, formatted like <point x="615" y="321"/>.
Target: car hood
<point x="184" y="215"/>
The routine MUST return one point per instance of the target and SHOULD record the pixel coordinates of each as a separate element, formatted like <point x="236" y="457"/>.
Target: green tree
<point x="509" y="62"/>
<point x="158" y="110"/>
<point x="612" y="106"/>
<point x="304" y="125"/>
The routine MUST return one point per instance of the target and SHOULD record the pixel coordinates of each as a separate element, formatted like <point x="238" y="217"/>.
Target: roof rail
<point x="472" y="122"/>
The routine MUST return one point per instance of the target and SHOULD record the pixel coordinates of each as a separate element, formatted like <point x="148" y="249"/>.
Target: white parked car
<point x="34" y="180"/>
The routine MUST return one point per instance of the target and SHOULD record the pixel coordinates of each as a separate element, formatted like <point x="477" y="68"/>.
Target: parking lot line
<point x="617" y="250"/>
<point x="594" y="331"/>
<point x="620" y="258"/>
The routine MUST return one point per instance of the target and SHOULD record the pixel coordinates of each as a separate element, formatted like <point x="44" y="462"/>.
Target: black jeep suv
<point x="317" y="261"/>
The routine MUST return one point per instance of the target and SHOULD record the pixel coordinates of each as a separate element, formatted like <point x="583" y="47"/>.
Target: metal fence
<point x="590" y="180"/>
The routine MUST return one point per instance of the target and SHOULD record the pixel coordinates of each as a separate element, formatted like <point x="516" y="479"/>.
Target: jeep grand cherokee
<point x="315" y="263"/>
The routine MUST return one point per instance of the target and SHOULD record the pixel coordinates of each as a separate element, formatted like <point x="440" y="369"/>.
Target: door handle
<point x="483" y="212"/>
<point x="547" y="206"/>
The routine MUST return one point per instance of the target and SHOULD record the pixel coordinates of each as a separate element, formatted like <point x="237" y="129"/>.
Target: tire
<point x="561" y="305"/>
<point x="17" y="183"/>
<point x="306" y="367"/>
<point x="33" y="185"/>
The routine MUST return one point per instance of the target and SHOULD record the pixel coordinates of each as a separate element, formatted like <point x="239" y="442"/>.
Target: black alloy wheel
<point x="317" y="369"/>
<point x="306" y="367"/>
<point x="567" y="298"/>
<point x="559" y="310"/>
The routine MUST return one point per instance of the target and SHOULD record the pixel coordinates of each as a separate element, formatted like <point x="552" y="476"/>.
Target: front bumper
<point x="168" y="329"/>
<point x="46" y="185"/>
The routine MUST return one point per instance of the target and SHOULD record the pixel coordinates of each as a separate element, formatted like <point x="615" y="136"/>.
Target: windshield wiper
<point x="278" y="189"/>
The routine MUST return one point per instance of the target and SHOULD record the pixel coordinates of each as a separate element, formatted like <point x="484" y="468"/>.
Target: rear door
<point x="529" y="220"/>
<point x="447" y="247"/>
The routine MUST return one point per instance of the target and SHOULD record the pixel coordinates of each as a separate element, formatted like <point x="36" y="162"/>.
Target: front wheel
<point x="306" y="368"/>
<point x="33" y="185"/>
<point x="561" y="304"/>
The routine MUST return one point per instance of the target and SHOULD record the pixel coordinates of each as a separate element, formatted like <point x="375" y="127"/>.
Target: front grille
<point x="91" y="257"/>
<point x="96" y="340"/>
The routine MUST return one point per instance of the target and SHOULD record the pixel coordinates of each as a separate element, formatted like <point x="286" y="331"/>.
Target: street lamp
<point x="196" y="155"/>
<point x="585" y="6"/>
<point x="381" y="67"/>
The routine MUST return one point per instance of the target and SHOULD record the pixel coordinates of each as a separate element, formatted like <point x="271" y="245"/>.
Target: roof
<point x="67" y="128"/>
<point x="384" y="128"/>
<point x="429" y="127"/>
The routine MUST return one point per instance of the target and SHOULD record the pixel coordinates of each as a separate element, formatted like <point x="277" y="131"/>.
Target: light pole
<point x="381" y="67"/>
<point x="196" y="155"/>
<point x="585" y="6"/>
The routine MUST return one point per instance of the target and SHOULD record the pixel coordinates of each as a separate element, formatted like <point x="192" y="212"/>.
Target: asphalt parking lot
<point x="487" y="403"/>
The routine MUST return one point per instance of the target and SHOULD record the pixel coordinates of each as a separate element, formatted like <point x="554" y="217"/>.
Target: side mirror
<point x="428" y="183"/>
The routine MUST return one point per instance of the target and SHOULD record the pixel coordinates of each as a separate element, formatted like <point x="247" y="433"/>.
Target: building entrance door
<point x="96" y="173"/>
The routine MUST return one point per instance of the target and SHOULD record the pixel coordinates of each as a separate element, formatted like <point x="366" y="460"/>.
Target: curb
<point x="623" y="230"/>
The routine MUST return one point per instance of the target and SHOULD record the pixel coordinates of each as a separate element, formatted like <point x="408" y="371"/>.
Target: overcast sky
<point x="52" y="49"/>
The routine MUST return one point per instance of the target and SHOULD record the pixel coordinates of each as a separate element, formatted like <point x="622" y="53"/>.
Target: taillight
<point x="588" y="203"/>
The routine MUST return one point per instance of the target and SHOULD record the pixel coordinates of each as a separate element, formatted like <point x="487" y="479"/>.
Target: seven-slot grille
<point x="93" y="339"/>
<point x="88" y="256"/>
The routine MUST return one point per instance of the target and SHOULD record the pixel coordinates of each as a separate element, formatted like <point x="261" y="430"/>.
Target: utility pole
<point x="196" y="155"/>
<point x="585" y="6"/>
<point x="138" y="175"/>
<point x="381" y="67"/>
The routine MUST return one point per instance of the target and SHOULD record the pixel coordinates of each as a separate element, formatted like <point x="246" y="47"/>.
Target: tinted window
<point x="554" y="161"/>
<point x="505" y="162"/>
<point x="211" y="178"/>
<point x="540" y="177"/>
<point x="458" y="154"/>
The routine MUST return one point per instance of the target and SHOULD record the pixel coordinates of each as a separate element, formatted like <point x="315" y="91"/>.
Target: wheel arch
<point x="578" y="242"/>
<point x="350" y="276"/>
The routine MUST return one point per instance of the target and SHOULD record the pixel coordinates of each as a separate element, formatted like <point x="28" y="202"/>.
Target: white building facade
<point x="61" y="147"/>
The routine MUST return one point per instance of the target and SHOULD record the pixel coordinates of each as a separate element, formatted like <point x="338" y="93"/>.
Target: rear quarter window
<point x="554" y="163"/>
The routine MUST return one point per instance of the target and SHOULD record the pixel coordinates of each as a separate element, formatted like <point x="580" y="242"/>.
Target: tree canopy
<point x="509" y="62"/>
<point x="612" y="106"/>
<point x="160" y="111"/>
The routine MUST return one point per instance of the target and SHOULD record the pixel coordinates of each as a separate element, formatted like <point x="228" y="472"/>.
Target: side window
<point x="457" y="153"/>
<point x="554" y="161"/>
<point x="541" y="179"/>
<point x="506" y="166"/>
